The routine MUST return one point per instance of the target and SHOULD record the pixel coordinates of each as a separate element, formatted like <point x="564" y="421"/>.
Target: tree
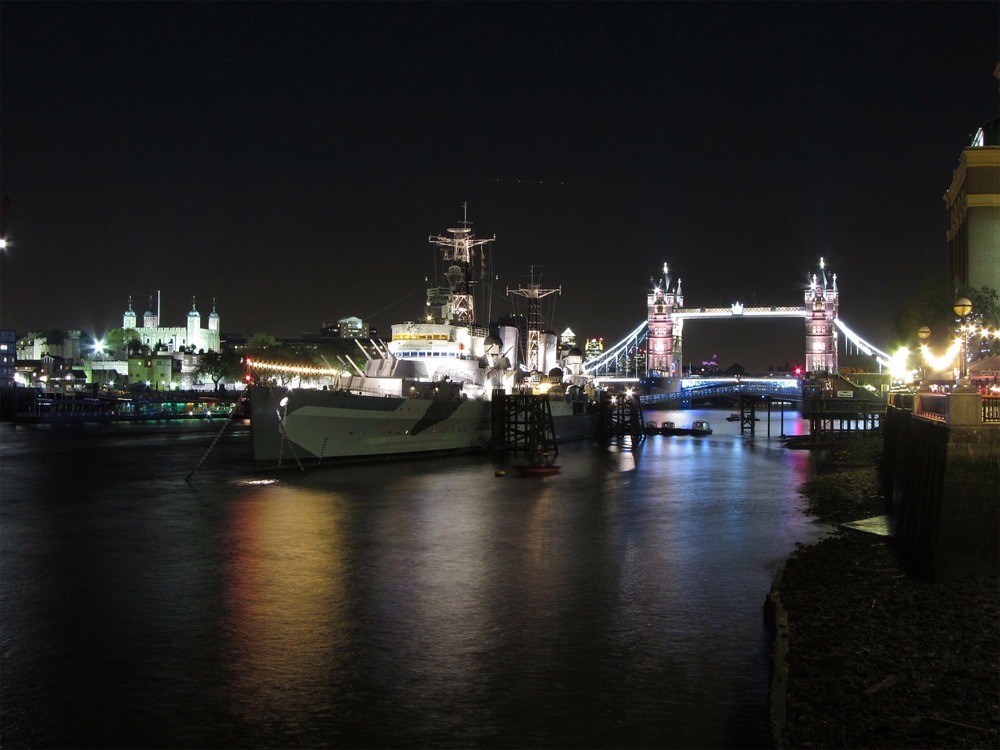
<point x="260" y="343"/>
<point x="985" y="314"/>
<point x="121" y="340"/>
<point x="54" y="337"/>
<point x="932" y="306"/>
<point x="220" y="366"/>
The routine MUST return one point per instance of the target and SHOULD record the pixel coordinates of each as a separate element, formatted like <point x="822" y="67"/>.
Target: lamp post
<point x="962" y="308"/>
<point x="923" y="333"/>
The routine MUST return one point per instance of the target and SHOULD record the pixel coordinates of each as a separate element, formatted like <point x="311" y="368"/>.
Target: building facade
<point x="190" y="337"/>
<point x="822" y="307"/>
<point x="973" y="204"/>
<point x="36" y="345"/>
<point x="8" y="357"/>
<point x="663" y="346"/>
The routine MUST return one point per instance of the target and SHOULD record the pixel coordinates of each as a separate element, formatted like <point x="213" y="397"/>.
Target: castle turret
<point x="822" y="303"/>
<point x="150" y="319"/>
<point x="193" y="324"/>
<point x="128" y="319"/>
<point x="661" y="353"/>
<point x="213" y="318"/>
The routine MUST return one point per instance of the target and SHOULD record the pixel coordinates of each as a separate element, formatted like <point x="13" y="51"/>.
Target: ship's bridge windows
<point x="420" y="337"/>
<point x="424" y="353"/>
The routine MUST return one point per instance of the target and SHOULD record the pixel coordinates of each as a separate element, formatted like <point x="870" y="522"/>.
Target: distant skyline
<point x="290" y="160"/>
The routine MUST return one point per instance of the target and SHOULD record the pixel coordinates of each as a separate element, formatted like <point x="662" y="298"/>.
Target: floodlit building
<point x="190" y="337"/>
<point x="36" y="345"/>
<point x="973" y="204"/>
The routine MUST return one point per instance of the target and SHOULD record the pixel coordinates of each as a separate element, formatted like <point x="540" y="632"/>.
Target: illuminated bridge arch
<point x="655" y="347"/>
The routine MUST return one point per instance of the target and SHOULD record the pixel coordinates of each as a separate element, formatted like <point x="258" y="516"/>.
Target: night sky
<point x="290" y="160"/>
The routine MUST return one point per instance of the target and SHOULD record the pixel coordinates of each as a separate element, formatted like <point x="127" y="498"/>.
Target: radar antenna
<point x="456" y="303"/>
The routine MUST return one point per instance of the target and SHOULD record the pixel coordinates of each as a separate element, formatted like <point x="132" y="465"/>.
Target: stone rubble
<point x="876" y="659"/>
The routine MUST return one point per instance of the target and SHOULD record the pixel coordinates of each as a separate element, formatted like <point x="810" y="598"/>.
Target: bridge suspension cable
<point x="614" y="353"/>
<point x="872" y="351"/>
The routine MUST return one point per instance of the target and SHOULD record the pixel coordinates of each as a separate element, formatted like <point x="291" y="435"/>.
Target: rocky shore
<point x="873" y="658"/>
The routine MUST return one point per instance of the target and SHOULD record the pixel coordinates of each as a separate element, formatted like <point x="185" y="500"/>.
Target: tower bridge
<point x="660" y="336"/>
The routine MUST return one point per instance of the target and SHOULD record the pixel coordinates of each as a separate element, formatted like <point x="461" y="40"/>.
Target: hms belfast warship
<point x="429" y="390"/>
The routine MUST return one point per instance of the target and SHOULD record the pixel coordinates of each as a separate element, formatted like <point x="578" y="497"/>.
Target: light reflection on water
<point x="428" y="603"/>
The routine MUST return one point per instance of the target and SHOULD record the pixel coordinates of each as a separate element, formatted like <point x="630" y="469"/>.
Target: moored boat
<point x="430" y="388"/>
<point x="700" y="428"/>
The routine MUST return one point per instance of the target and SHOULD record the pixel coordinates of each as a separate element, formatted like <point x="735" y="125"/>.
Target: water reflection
<point x="283" y="611"/>
<point x="429" y="603"/>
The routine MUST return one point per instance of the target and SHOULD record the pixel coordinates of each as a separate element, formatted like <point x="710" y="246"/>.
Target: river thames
<point x="423" y="603"/>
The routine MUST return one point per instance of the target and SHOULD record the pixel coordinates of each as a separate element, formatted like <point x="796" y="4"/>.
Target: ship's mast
<point x="458" y="305"/>
<point x="534" y="293"/>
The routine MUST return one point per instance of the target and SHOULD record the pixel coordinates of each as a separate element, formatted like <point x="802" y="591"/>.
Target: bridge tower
<point x="822" y="303"/>
<point x="663" y="350"/>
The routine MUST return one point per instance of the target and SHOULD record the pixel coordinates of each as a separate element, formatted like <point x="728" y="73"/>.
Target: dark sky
<point x="290" y="159"/>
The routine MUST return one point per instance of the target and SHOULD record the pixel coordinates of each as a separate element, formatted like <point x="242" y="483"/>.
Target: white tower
<point x="128" y="319"/>
<point x="663" y="346"/>
<point x="213" y="318"/>
<point x="194" y="325"/>
<point x="822" y="304"/>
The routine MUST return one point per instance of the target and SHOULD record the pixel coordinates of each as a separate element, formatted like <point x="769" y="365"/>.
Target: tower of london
<point x="191" y="337"/>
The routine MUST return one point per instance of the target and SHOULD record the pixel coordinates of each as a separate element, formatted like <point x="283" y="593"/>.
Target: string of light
<point x="292" y="369"/>
<point x="943" y="361"/>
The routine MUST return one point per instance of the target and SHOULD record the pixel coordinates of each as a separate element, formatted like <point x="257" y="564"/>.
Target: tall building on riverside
<point x="191" y="337"/>
<point x="973" y="204"/>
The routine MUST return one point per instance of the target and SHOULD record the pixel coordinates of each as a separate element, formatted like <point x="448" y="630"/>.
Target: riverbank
<point x="873" y="658"/>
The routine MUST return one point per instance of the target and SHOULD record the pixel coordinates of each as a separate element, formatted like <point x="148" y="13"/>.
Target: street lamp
<point x="923" y="333"/>
<point x="962" y="308"/>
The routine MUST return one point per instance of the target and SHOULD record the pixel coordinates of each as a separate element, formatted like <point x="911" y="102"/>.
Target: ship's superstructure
<point x="430" y="388"/>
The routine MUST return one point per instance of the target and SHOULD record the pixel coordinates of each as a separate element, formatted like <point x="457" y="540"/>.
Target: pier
<point x="621" y="417"/>
<point x="30" y="405"/>
<point x="832" y="418"/>
<point x="522" y="423"/>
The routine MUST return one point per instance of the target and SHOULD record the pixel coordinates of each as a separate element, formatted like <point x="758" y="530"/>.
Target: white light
<point x="293" y="369"/>
<point x="284" y="402"/>
<point x="940" y="362"/>
<point x="897" y="363"/>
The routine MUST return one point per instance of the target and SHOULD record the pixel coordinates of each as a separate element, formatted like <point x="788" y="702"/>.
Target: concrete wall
<point x="943" y="485"/>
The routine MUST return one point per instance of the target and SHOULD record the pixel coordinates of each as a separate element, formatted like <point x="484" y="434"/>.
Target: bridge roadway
<point x="611" y="359"/>
<point x="778" y="389"/>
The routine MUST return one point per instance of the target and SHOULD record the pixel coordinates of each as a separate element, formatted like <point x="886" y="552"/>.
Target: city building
<point x="567" y="338"/>
<point x="352" y="328"/>
<point x="36" y="345"/>
<point x="593" y="347"/>
<point x="8" y="357"/>
<point x="190" y="337"/>
<point x="973" y="204"/>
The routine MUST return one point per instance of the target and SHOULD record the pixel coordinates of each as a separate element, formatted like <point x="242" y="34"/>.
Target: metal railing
<point x="931" y="406"/>
<point x="991" y="408"/>
<point x="935" y="406"/>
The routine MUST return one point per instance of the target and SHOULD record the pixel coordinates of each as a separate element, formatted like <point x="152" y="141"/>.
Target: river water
<point x="406" y="604"/>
